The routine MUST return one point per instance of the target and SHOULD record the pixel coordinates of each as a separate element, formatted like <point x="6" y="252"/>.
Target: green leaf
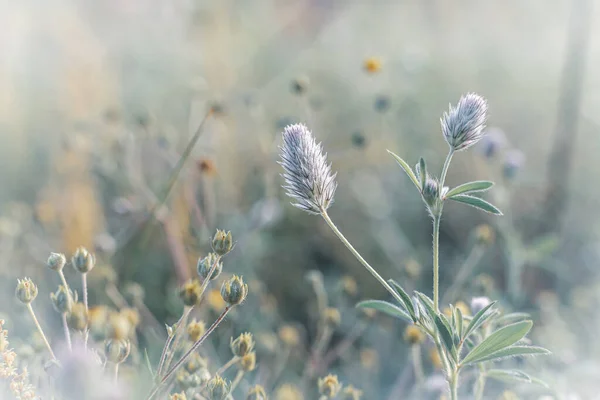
<point x="422" y="171"/>
<point x="483" y="315"/>
<point x="470" y="187"/>
<point x="511" y="318"/>
<point x="477" y="203"/>
<point x="444" y="333"/>
<point x="427" y="305"/>
<point x="407" y="169"/>
<point x="501" y="339"/>
<point x="508" y="375"/>
<point x="512" y="351"/>
<point x="405" y="298"/>
<point x="459" y="322"/>
<point x="386" y="308"/>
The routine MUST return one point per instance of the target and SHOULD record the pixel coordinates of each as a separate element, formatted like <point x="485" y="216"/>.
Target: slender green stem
<point x="116" y="372"/>
<point x="67" y="333"/>
<point x="40" y="330"/>
<point x="445" y="168"/>
<point x="454" y="385"/>
<point x="61" y="274"/>
<point x="436" y="262"/>
<point x="165" y="350"/>
<point x="84" y="288"/>
<point x="192" y="349"/>
<point x="221" y="370"/>
<point x="359" y="257"/>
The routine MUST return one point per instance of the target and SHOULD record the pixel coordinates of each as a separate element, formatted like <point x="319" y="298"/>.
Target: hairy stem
<point x="40" y="330"/>
<point x="61" y="274"/>
<point x="165" y="350"/>
<point x="359" y="257"/>
<point x="453" y="382"/>
<point x="67" y="333"/>
<point x="436" y="262"/>
<point x="445" y="168"/>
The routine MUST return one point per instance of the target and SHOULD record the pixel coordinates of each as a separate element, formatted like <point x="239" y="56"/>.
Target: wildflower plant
<point x="461" y="341"/>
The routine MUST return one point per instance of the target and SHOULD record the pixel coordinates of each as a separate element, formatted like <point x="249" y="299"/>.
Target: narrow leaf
<point x="512" y="351"/>
<point x="477" y="203"/>
<point x="427" y="304"/>
<point x="407" y="169"/>
<point x="405" y="298"/>
<point x="422" y="171"/>
<point x="483" y="315"/>
<point x="386" y="308"/>
<point x="511" y="318"/>
<point x="470" y="187"/>
<point x="501" y="339"/>
<point x="508" y="375"/>
<point x="444" y="333"/>
<point x="459" y="322"/>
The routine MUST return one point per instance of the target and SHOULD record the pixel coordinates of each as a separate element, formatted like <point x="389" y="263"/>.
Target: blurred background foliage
<point x="99" y="100"/>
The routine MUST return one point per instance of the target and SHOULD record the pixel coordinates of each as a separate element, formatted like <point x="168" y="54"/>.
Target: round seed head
<point x="329" y="386"/>
<point x="116" y="350"/>
<point x="26" y="290"/>
<point x="248" y="362"/>
<point x="56" y="261"/>
<point x="234" y="290"/>
<point x="484" y="235"/>
<point x="205" y="264"/>
<point x="242" y="345"/>
<point x="308" y="176"/>
<point x="256" y="393"/>
<point x="83" y="261"/>
<point x="222" y="242"/>
<point x="218" y="389"/>
<point x="463" y="125"/>
<point x="62" y="300"/>
<point x="190" y="292"/>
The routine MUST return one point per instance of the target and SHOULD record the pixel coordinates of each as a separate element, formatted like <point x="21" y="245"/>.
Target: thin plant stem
<point x="177" y="338"/>
<point x="417" y="364"/>
<point x="454" y="385"/>
<point x="61" y="274"/>
<point x="236" y="381"/>
<point x="116" y="372"/>
<point x="163" y="356"/>
<point x="84" y="288"/>
<point x="67" y="333"/>
<point x="436" y="262"/>
<point x="480" y="384"/>
<point x="359" y="257"/>
<point x="445" y="168"/>
<point x="192" y="349"/>
<point x="40" y="330"/>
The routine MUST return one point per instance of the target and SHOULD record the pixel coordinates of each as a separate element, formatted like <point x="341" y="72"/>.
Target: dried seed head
<point x="205" y="264"/>
<point x="256" y="393"/>
<point x="56" y="261"/>
<point x="62" y="300"/>
<point x="98" y="320"/>
<point x="332" y="317"/>
<point x="119" y="327"/>
<point x="306" y="172"/>
<point x="218" y="389"/>
<point x="493" y="141"/>
<point x="26" y="290"/>
<point x="195" y="330"/>
<point x="242" y="345"/>
<point x="77" y="319"/>
<point x="351" y="393"/>
<point x="222" y="242"/>
<point x="116" y="350"/>
<point x="234" y="290"/>
<point x="190" y="292"/>
<point x="413" y="335"/>
<point x="329" y="386"/>
<point x="248" y="362"/>
<point x="83" y="261"/>
<point x="463" y="125"/>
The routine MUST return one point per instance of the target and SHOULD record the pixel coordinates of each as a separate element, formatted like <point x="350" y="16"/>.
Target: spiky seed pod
<point x="242" y="345"/>
<point x="190" y="292"/>
<point x="195" y="330"/>
<point x="218" y="388"/>
<point x="77" y="319"/>
<point x="116" y="350"/>
<point x="26" y="290"/>
<point x="234" y="290"/>
<point x="83" y="261"/>
<point x="306" y="172"/>
<point x="195" y="363"/>
<point x="351" y="393"/>
<point x="56" y="261"/>
<point x="413" y="335"/>
<point x="222" y="242"/>
<point x="463" y="125"/>
<point x="431" y="195"/>
<point x="257" y="393"/>
<point x="206" y="263"/>
<point x="329" y="386"/>
<point x="248" y="362"/>
<point x="332" y="317"/>
<point x="62" y="300"/>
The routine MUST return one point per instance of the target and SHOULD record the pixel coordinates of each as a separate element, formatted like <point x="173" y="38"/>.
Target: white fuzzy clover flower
<point x="306" y="172"/>
<point x="463" y="125"/>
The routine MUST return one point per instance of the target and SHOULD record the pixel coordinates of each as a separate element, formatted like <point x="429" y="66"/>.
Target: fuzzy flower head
<point x="463" y="125"/>
<point x="306" y="172"/>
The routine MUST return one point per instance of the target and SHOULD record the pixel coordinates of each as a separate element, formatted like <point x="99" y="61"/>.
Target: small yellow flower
<point x="372" y="65"/>
<point x="195" y="330"/>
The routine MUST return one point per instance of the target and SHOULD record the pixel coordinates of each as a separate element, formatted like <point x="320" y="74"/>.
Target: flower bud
<point x="190" y="292"/>
<point x="332" y="317"/>
<point x="62" y="301"/>
<point x="218" y="389"/>
<point x="463" y="125"/>
<point x="116" y="350"/>
<point x="222" y="242"/>
<point x="329" y="386"/>
<point x="242" y="345"/>
<point x="413" y="335"/>
<point x="26" y="290"/>
<point x="431" y="195"/>
<point x="195" y="330"/>
<point x="83" y="261"/>
<point x="56" y="261"/>
<point x="351" y="393"/>
<point x="256" y="393"/>
<point x="248" y="362"/>
<point x="77" y="319"/>
<point x="234" y="291"/>
<point x="205" y="265"/>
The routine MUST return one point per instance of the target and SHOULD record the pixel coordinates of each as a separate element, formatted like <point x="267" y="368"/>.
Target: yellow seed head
<point x="218" y="389"/>
<point x="222" y="242"/>
<point x="77" y="319"/>
<point x="484" y="234"/>
<point x="242" y="345"/>
<point x="329" y="386"/>
<point x="195" y="330"/>
<point x="351" y="393"/>
<point x="248" y="362"/>
<point x="256" y="393"/>
<point x="349" y="286"/>
<point x="234" y="290"/>
<point x="26" y="290"/>
<point x="190" y="292"/>
<point x="332" y="317"/>
<point x="62" y="300"/>
<point x="83" y="261"/>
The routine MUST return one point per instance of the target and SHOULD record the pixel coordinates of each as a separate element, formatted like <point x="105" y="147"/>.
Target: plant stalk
<point x="66" y="329"/>
<point x="436" y="262"/>
<point x="40" y="330"/>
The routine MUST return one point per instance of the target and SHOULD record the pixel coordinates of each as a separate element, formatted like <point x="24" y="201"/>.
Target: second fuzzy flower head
<point x="464" y="124"/>
<point x="308" y="175"/>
